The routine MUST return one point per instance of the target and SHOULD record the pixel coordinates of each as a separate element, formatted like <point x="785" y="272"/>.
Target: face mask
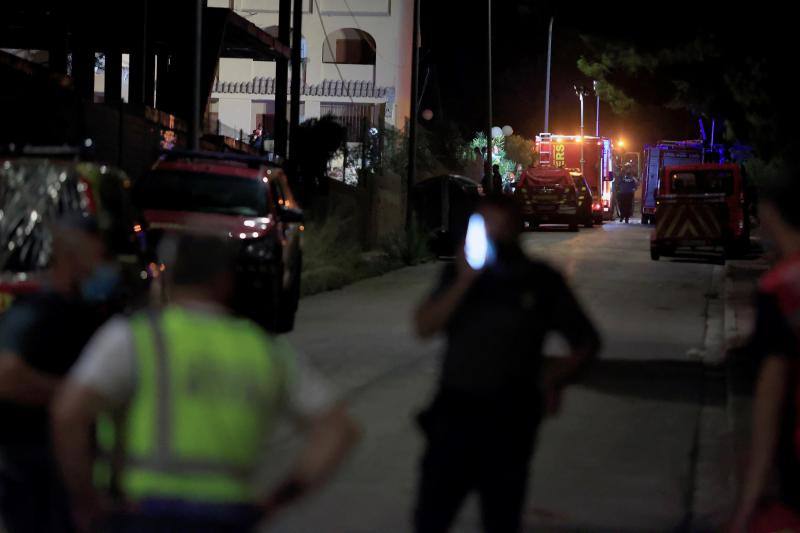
<point x="101" y="285"/>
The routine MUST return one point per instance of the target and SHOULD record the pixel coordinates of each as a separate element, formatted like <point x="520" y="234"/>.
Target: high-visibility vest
<point x="208" y="391"/>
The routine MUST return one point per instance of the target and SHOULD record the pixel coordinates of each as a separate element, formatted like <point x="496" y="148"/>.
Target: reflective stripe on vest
<point x="208" y="390"/>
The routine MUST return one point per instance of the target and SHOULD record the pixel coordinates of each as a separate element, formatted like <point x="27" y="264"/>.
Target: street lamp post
<point x="597" y="113"/>
<point x="488" y="168"/>
<point x="412" y="119"/>
<point x="581" y="91"/>
<point x="547" y="83"/>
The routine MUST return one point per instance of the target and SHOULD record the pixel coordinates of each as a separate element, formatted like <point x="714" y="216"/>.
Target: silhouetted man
<point x="492" y="393"/>
<point x="41" y="336"/>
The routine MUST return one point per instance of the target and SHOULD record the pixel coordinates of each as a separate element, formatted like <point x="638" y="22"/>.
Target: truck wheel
<point x="655" y="254"/>
<point x="589" y="223"/>
<point x="573" y="227"/>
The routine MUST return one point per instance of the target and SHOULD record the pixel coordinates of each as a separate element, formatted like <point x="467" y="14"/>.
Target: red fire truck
<point x="656" y="157"/>
<point x="564" y="151"/>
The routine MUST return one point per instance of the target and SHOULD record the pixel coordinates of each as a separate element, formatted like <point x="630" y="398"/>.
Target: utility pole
<point x="194" y="119"/>
<point x="597" y="113"/>
<point x="282" y="79"/>
<point x="547" y="83"/>
<point x="294" y="102"/>
<point x="412" y="119"/>
<point x="488" y="168"/>
<point x="582" y="91"/>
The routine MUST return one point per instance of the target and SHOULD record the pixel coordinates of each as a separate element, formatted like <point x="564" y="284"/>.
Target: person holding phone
<point x="495" y="307"/>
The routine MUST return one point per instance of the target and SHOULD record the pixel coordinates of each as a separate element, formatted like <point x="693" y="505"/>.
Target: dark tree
<point x="729" y="66"/>
<point x="317" y="141"/>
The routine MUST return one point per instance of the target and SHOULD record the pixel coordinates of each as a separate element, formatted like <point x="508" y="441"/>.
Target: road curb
<point x="741" y="278"/>
<point x="723" y="430"/>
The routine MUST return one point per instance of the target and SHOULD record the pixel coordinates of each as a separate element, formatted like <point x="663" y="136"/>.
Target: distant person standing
<point x="195" y="393"/>
<point x="497" y="179"/>
<point x="257" y="138"/>
<point x="492" y="391"/>
<point x="475" y="167"/>
<point x="775" y="444"/>
<point x="625" y="194"/>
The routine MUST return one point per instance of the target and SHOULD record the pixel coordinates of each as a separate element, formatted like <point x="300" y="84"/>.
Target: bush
<point x="330" y="253"/>
<point x="410" y="247"/>
<point x="333" y="258"/>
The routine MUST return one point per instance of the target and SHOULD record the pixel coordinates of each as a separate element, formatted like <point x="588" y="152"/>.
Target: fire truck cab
<point x="656" y="158"/>
<point x="566" y="151"/>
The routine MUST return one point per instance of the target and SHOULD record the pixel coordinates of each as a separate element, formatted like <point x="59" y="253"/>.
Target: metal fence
<point x="357" y="118"/>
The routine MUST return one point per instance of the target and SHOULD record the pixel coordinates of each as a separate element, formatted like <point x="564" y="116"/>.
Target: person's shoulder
<point x="786" y="273"/>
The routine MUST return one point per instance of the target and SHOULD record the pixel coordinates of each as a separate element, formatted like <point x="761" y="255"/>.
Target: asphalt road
<point x="640" y="444"/>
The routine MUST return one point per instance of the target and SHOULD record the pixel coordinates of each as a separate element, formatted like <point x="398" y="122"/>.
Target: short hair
<point x="506" y="204"/>
<point x="198" y="259"/>
<point x="780" y="187"/>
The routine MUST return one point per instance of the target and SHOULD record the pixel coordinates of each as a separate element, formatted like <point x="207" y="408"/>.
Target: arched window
<point x="273" y="31"/>
<point x="349" y="46"/>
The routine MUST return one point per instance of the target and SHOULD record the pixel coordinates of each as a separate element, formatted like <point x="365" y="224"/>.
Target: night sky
<point x="454" y="49"/>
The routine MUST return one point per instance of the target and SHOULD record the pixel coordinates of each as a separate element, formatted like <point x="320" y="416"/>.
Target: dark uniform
<point x="625" y="192"/>
<point x="47" y="331"/>
<point x="483" y="421"/>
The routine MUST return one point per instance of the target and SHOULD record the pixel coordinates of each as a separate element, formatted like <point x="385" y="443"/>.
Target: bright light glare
<point x="477" y="248"/>
<point x="621" y="143"/>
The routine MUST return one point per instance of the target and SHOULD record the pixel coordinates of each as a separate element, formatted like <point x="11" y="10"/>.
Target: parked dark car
<point x="548" y="196"/>
<point x="443" y="205"/>
<point x="36" y="190"/>
<point x="247" y="199"/>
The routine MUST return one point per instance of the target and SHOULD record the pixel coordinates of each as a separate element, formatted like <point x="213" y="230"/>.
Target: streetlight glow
<point x="621" y="143"/>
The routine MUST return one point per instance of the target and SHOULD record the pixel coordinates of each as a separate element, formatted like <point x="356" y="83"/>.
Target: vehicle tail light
<point x="596" y="207"/>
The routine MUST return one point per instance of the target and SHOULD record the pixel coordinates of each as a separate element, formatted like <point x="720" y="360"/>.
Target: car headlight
<point x="261" y="249"/>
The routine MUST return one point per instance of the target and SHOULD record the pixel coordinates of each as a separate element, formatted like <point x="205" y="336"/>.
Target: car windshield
<point x="32" y="195"/>
<point x="173" y="190"/>
<point x="703" y="182"/>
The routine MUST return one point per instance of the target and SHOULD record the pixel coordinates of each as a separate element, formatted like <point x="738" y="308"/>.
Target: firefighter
<point x="627" y="188"/>
<point x="195" y="392"/>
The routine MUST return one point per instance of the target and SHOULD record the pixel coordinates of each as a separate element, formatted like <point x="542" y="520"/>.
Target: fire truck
<point x="564" y="151"/>
<point x="656" y="157"/>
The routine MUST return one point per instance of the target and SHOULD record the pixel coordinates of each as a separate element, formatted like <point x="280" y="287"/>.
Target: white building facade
<point x="356" y="66"/>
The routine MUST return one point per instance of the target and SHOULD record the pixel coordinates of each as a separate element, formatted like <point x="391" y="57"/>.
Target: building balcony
<point x="326" y="88"/>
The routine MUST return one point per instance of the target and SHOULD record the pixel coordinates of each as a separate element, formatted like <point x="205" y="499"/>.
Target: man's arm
<point x="330" y="437"/>
<point x="571" y="321"/>
<point x="434" y="313"/>
<point x="74" y="411"/>
<point x="103" y="378"/>
<point x="768" y="401"/>
<point x="21" y="383"/>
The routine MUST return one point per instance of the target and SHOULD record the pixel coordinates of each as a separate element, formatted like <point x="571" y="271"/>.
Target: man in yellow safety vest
<point x="194" y="393"/>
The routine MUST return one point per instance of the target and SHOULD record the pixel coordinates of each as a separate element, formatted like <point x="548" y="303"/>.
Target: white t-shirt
<point x="108" y="365"/>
